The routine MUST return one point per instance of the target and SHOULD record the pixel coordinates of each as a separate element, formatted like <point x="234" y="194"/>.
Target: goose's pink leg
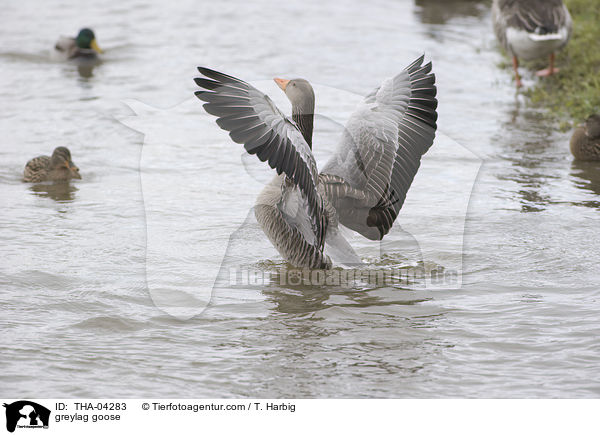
<point x="548" y="71"/>
<point x="516" y="68"/>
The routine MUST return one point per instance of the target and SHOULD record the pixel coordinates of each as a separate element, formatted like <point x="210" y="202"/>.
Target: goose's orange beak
<point x="282" y="83"/>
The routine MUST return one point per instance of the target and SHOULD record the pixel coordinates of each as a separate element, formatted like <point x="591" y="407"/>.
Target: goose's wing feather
<point x="252" y="119"/>
<point x="380" y="152"/>
<point x="534" y="16"/>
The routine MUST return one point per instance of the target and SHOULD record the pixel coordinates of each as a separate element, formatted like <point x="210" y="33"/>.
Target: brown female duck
<point x="58" y="167"/>
<point x="585" y="142"/>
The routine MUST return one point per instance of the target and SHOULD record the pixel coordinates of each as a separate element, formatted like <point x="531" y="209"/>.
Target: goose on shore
<point x="585" y="142"/>
<point x="58" y="167"/>
<point x="531" y="29"/>
<point x="362" y="186"/>
<point x="84" y="45"/>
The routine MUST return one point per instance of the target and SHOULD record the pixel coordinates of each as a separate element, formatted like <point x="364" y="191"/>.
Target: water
<point x="78" y="319"/>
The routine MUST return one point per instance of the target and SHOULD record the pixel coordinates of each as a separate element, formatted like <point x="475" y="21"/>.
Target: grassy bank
<point x="574" y="93"/>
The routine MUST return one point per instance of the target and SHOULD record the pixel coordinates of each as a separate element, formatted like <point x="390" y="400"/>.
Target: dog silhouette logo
<point x="26" y="414"/>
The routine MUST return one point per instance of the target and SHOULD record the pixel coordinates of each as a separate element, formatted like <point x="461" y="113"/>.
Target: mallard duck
<point x="585" y="142"/>
<point x="531" y="29"/>
<point x="58" y="167"/>
<point x="83" y="45"/>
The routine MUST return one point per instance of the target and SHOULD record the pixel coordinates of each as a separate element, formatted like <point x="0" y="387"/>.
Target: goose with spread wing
<point x="364" y="184"/>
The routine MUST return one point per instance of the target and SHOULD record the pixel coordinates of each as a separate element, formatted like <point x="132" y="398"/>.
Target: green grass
<point x="574" y="93"/>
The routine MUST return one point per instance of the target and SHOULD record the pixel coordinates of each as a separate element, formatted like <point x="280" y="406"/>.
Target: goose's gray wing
<point x="533" y="16"/>
<point x="380" y="152"/>
<point x="252" y="119"/>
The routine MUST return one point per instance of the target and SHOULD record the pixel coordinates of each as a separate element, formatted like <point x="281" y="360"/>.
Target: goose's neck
<point x="304" y="117"/>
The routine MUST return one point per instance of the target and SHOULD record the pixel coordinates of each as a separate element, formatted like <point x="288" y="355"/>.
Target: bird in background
<point x="58" y="167"/>
<point x="532" y="29"/>
<point x="585" y="142"/>
<point x="84" y="45"/>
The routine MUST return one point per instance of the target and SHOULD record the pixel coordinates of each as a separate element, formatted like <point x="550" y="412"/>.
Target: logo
<point x="26" y="414"/>
<point x="241" y="256"/>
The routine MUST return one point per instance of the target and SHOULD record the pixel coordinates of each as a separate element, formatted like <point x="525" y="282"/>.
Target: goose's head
<point x="61" y="165"/>
<point x="87" y="40"/>
<point x="300" y="93"/>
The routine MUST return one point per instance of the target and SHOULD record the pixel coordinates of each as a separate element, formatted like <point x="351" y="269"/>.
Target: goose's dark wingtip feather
<point x="207" y="71"/>
<point x="206" y="83"/>
<point x="423" y="88"/>
<point x="218" y="76"/>
<point x="415" y="64"/>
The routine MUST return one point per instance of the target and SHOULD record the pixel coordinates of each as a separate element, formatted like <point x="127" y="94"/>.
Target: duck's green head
<point x="87" y="40"/>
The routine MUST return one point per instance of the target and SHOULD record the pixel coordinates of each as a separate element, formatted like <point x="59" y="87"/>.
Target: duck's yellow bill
<point x="95" y="46"/>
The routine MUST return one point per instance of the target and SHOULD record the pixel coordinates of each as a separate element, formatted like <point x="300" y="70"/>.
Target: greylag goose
<point x="530" y="29"/>
<point x="84" y="45"/>
<point x="58" y="167"/>
<point x="364" y="184"/>
<point x="585" y="142"/>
